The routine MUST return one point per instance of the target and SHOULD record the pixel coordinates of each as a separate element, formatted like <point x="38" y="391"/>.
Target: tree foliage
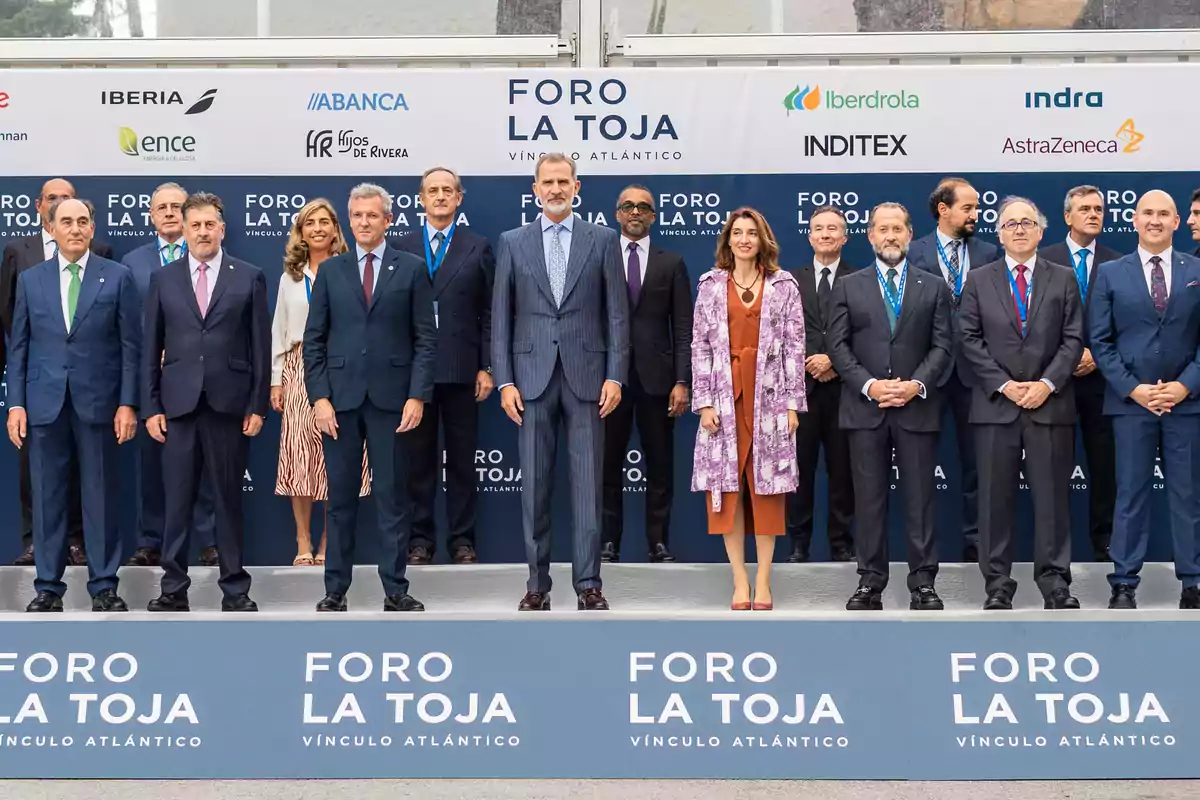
<point x="39" y="18"/>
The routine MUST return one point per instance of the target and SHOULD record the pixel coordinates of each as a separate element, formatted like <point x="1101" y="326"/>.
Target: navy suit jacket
<point x="143" y="262"/>
<point x="923" y="254"/>
<point x="224" y="355"/>
<point x="589" y="331"/>
<point x="97" y="361"/>
<point x="384" y="353"/>
<point x="1130" y="342"/>
<point x="462" y="290"/>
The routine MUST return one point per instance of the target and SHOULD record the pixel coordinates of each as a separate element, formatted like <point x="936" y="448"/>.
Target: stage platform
<point x="665" y="591"/>
<point x="669" y="684"/>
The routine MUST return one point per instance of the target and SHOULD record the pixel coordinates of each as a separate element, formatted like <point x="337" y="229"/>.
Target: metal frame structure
<point x="600" y="44"/>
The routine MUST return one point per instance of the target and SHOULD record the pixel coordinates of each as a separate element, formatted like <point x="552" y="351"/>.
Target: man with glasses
<point x="660" y="309"/>
<point x="1022" y="333"/>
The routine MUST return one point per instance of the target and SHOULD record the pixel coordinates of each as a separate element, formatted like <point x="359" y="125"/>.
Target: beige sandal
<point x="319" y="560"/>
<point x="302" y="560"/>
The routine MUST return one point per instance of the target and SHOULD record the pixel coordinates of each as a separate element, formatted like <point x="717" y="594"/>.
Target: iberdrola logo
<point x="806" y="99"/>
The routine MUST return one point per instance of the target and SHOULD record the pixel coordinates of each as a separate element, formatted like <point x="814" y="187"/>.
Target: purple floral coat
<point x="778" y="387"/>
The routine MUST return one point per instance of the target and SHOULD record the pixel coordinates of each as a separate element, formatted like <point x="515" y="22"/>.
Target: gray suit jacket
<point x="589" y="331"/>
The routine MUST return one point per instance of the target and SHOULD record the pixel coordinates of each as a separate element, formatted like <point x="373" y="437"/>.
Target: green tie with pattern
<point x="73" y="292"/>
<point x="172" y="249"/>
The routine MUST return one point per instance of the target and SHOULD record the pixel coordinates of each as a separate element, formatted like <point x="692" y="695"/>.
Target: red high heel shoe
<point x="764" y="606"/>
<point x="740" y="606"/>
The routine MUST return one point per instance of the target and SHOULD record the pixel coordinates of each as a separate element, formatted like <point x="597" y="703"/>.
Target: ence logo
<point x="810" y="99"/>
<point x="805" y="99"/>
<point x="156" y="148"/>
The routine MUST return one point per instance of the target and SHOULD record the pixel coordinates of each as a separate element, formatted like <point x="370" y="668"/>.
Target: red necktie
<point x="369" y="277"/>
<point x="1023" y="290"/>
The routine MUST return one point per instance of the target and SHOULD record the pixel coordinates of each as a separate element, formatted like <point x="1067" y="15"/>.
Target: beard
<point x="557" y="208"/>
<point x="965" y="232"/>
<point x="891" y="256"/>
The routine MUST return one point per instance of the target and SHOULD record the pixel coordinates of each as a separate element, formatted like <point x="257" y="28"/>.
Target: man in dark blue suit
<point x="950" y="252"/>
<point x="459" y="270"/>
<point x="1144" y="317"/>
<point x="72" y="390"/>
<point x="369" y="351"/>
<point x="207" y="367"/>
<point x="166" y="212"/>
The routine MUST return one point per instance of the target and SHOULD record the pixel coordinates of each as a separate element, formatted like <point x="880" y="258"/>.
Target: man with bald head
<point x="73" y="397"/>
<point x="1144" y="324"/>
<point x="19" y="255"/>
<point x="1022" y="333"/>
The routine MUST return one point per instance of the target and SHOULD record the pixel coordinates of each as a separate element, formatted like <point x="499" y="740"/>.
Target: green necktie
<point x="171" y="250"/>
<point x="73" y="291"/>
<point x="893" y="292"/>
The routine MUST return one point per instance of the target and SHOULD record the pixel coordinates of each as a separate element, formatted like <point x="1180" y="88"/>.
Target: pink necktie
<point x="202" y="288"/>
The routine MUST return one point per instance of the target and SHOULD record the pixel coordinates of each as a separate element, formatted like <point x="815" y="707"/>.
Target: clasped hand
<point x="893" y="393"/>
<point x="1159" y="398"/>
<point x="1027" y="394"/>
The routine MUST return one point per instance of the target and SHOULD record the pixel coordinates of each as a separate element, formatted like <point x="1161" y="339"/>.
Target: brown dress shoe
<point x="592" y="600"/>
<point x="209" y="557"/>
<point x="76" y="556"/>
<point x="465" y="555"/>
<point x="26" y="557"/>
<point x="535" y="601"/>
<point x="419" y="556"/>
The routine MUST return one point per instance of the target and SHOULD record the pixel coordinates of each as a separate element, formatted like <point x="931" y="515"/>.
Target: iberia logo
<point x="1130" y="136"/>
<point x="806" y="99"/>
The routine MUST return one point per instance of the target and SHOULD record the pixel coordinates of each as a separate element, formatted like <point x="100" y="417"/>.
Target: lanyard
<point x="162" y="253"/>
<point x="958" y="277"/>
<point x="431" y="261"/>
<point x="1022" y="302"/>
<point x="308" y="289"/>
<point x="1081" y="273"/>
<point x="894" y="298"/>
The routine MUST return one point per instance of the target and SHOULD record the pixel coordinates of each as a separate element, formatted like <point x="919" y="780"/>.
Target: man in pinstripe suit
<point x="560" y="352"/>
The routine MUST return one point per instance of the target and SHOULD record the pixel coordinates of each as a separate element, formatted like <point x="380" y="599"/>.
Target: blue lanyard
<point x="1081" y="275"/>
<point x="308" y="289"/>
<point x="1022" y="302"/>
<point x="431" y="261"/>
<point x="894" y="298"/>
<point x="959" y="276"/>
<point x="167" y="259"/>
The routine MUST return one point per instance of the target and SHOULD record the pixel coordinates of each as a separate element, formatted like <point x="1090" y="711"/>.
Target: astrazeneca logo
<point x="323" y="144"/>
<point x="810" y="98"/>
<point x="1064" y="99"/>
<point x="1127" y="139"/>
<point x="878" y="145"/>
<point x="357" y="101"/>
<point x="119" y="97"/>
<point x="157" y="147"/>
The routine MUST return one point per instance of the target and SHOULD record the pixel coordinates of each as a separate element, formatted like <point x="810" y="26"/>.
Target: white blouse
<point x="291" y="315"/>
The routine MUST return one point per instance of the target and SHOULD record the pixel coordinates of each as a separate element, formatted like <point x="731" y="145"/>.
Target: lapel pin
<point x="391" y="267"/>
<point x="102" y="280"/>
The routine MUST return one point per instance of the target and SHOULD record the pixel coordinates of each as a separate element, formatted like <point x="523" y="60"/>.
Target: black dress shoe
<point x="26" y="558"/>
<point x="799" y="555"/>
<point x="402" y="602"/>
<point x="842" y="553"/>
<point x="239" y="602"/>
<point x="145" y="557"/>
<point x="998" y="601"/>
<point x="108" y="600"/>
<point x="592" y="600"/>
<point x="971" y="554"/>
<point x="76" y="557"/>
<point x="332" y="602"/>
<point x="865" y="599"/>
<point x="1061" y="599"/>
<point x="1189" y="598"/>
<point x="419" y="556"/>
<point x="659" y="554"/>
<point x="45" y="601"/>
<point x="535" y="601"/>
<point x="175" y="601"/>
<point x="1124" y="596"/>
<point x="209" y="557"/>
<point x="924" y="598"/>
<point x="609" y="554"/>
<point x="464" y="554"/>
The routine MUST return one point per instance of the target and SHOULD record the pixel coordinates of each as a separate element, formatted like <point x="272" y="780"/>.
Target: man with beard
<point x="889" y="335"/>
<point x="950" y="251"/>
<point x="819" y="426"/>
<point x="1084" y="213"/>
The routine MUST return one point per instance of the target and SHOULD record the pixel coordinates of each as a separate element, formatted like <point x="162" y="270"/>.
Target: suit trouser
<point x="92" y="448"/>
<point x="1099" y="448"/>
<point x="25" y="492"/>
<point x="454" y="405"/>
<point x="656" y="428"/>
<point x="537" y="442"/>
<point x="387" y="453"/>
<point x="871" y="466"/>
<point x="819" y="427"/>
<point x="1139" y="438"/>
<point x="1049" y="458"/>
<point x="959" y="401"/>
<point x="152" y="502"/>
<point x="204" y="442"/>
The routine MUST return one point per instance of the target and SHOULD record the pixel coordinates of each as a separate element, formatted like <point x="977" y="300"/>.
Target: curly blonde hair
<point x="295" y="256"/>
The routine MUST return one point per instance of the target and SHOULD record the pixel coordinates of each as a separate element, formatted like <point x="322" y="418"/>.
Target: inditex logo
<point x="859" y="144"/>
<point x="1064" y="99"/>
<point x="811" y="99"/>
<point x="121" y="97"/>
<point x="156" y="148"/>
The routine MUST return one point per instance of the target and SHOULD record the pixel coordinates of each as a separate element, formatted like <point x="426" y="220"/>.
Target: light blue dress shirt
<point x="362" y="263"/>
<point x="564" y="236"/>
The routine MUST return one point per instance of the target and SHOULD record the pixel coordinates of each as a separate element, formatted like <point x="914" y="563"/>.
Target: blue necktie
<point x="1081" y="275"/>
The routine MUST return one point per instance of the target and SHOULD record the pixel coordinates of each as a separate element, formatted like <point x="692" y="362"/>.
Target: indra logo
<point x="1064" y="99"/>
<point x="122" y="97"/>
<point x="357" y="101"/>
<point x="157" y="147"/>
<point x="810" y="98"/>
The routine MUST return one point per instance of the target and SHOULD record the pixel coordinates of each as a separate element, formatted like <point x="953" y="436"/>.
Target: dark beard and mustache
<point x="962" y="233"/>
<point x="891" y="256"/>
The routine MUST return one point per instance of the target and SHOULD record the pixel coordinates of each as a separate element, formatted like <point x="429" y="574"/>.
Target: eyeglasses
<point x="1024" y="224"/>
<point x="629" y="208"/>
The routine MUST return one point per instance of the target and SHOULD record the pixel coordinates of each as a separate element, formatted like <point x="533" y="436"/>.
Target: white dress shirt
<point x="291" y="315"/>
<point x="64" y="281"/>
<point x="1148" y="268"/>
<point x="362" y="264"/>
<point x="643" y="251"/>
<point x="901" y="282"/>
<point x="1074" y="247"/>
<point x="214" y="271"/>
<point x="964" y="261"/>
<point x="833" y="269"/>
<point x="49" y="246"/>
<point x="164" y="253"/>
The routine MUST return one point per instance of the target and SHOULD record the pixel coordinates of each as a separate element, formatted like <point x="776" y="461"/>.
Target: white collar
<point x="82" y="262"/>
<point x="1145" y="256"/>
<point x="1013" y="263"/>
<point x="643" y="243"/>
<point x="833" y="268"/>
<point x="213" y="263"/>
<point x="47" y="238"/>
<point x="378" y="251"/>
<point x="1075" y="246"/>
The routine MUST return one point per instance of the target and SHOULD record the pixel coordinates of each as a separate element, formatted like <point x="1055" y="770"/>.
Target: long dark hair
<point x="768" y="248"/>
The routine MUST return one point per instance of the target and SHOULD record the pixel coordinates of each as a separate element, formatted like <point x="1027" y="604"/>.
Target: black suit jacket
<point x="1058" y="253"/>
<point x="993" y="344"/>
<point x="386" y="352"/>
<point x="224" y="355"/>
<point x="816" y="338"/>
<point x="862" y="347"/>
<point x="462" y="289"/>
<point x="21" y="254"/>
<point x="660" y="324"/>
